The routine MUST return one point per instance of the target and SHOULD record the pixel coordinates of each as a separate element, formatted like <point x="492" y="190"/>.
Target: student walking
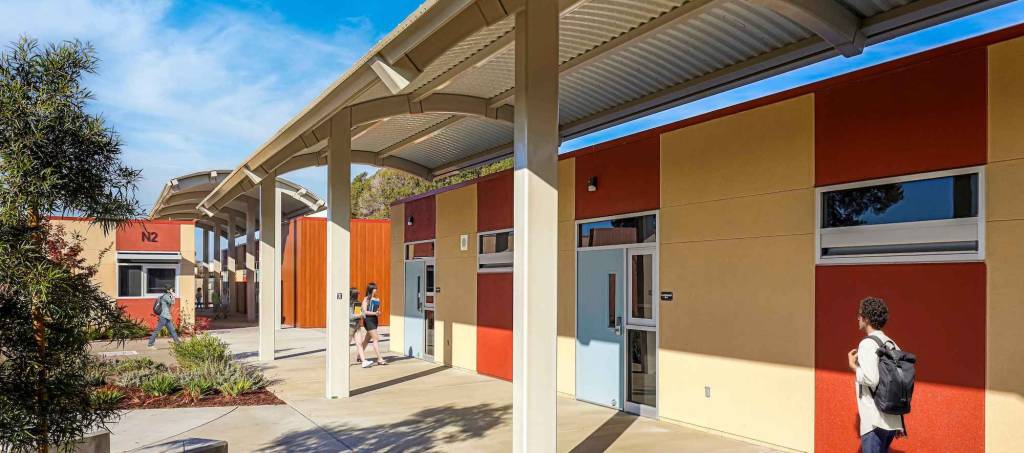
<point x="877" y="428"/>
<point x="162" y="308"/>
<point x="371" y="311"/>
<point x="355" y="320"/>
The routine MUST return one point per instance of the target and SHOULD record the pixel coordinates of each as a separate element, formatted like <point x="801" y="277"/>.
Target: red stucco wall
<point x="494" y="325"/>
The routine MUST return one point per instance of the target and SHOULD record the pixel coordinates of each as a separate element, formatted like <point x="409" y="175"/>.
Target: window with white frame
<point x="495" y="251"/>
<point x="927" y="217"/>
<point x="145" y="279"/>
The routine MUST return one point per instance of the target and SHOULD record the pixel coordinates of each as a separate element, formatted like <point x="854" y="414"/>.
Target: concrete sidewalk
<point x="407" y="405"/>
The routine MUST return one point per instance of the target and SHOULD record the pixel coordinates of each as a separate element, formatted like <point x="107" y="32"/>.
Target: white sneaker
<point x="367" y="363"/>
<point x="151" y="347"/>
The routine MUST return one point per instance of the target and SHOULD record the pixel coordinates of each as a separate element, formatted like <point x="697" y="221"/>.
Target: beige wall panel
<point x="455" y="314"/>
<point x="777" y="214"/>
<point x="742" y="322"/>
<point x="567" y="235"/>
<point x="1006" y="100"/>
<point x="764" y="150"/>
<point x="1004" y="402"/>
<point x="397" y="328"/>
<point x="186" y="279"/>
<point x="745" y="398"/>
<point x="566" y="189"/>
<point x="1005" y="198"/>
<point x="566" y="382"/>
<point x="97" y="248"/>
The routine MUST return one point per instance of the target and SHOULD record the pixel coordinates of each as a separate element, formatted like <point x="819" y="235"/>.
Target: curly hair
<point x="874" y="311"/>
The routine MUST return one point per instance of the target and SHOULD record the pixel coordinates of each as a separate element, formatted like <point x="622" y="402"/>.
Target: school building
<point x="709" y="271"/>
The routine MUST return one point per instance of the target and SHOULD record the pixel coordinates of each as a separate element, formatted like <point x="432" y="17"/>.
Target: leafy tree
<point x="372" y="195"/>
<point x="55" y="158"/>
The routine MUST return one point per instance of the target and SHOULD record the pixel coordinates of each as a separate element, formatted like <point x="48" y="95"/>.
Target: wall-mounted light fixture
<point x="409" y="222"/>
<point x="592" y="184"/>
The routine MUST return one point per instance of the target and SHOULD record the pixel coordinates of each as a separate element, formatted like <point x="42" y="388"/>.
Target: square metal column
<point x="534" y="287"/>
<point x="270" y="222"/>
<point x="339" y="211"/>
<point x="252" y="210"/>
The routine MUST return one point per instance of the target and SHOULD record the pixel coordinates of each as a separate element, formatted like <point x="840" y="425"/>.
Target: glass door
<point x="428" y="311"/>
<point x="641" y="361"/>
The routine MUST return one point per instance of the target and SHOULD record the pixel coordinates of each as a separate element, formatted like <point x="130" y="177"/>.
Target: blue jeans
<point x="877" y="441"/>
<point x="162" y="321"/>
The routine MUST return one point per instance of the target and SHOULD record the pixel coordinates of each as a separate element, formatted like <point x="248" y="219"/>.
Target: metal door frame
<point x="652" y="326"/>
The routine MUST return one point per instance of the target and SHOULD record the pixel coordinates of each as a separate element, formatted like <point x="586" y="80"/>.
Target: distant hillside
<point x="372" y="195"/>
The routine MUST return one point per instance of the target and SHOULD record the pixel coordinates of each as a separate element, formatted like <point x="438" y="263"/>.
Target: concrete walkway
<point x="407" y="405"/>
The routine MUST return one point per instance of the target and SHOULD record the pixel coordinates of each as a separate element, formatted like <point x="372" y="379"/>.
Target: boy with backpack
<point x="885" y="379"/>
<point x="162" y="309"/>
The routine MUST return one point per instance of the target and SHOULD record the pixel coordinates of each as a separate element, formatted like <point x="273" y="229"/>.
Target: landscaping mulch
<point x="137" y="399"/>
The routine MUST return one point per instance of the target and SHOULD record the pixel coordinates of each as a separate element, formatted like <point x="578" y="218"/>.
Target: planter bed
<point x="137" y="399"/>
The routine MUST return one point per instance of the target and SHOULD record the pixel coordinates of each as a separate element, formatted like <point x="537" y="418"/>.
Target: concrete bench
<point x="193" y="445"/>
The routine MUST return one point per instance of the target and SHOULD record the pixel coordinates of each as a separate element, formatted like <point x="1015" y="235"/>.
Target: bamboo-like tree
<point x="55" y="158"/>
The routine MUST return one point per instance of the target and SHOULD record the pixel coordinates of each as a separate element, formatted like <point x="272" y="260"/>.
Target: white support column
<point x="534" y="287"/>
<point x="232" y="264"/>
<point x="278" y="257"/>
<point x="218" y="265"/>
<point x="252" y="209"/>
<point x="339" y="172"/>
<point x="270" y="219"/>
<point x="206" y="266"/>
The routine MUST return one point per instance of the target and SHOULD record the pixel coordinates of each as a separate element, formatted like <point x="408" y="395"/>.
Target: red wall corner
<point x="925" y="117"/>
<point x="494" y="198"/>
<point x="937" y="311"/>
<point x="424" y="212"/>
<point x="494" y="325"/>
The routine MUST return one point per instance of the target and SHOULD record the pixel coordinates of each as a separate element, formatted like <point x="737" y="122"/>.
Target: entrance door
<point x="415" y="276"/>
<point x="428" y="310"/>
<point x="641" y="365"/>
<point x="600" y="288"/>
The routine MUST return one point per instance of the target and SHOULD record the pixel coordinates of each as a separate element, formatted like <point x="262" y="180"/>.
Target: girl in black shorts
<point x="371" y="311"/>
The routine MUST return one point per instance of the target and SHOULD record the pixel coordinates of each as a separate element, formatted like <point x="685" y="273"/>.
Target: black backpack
<point x="895" y="379"/>
<point x="158" y="305"/>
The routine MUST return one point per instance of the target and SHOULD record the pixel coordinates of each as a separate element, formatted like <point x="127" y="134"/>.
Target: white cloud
<point x="195" y="94"/>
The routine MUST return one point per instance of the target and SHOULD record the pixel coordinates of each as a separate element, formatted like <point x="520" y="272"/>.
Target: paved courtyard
<point x="408" y="405"/>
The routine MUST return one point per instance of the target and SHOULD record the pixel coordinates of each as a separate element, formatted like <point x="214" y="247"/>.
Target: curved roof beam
<point x="828" y="19"/>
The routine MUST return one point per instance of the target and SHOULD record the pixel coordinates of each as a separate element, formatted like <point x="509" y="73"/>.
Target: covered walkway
<point x="408" y="405"/>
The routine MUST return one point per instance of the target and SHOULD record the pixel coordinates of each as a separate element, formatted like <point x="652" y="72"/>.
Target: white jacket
<point x="867" y="376"/>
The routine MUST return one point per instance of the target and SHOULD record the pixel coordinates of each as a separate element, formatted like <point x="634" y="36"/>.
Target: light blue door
<point x="600" y="294"/>
<point x="415" y="273"/>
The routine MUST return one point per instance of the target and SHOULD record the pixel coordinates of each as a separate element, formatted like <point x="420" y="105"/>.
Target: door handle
<point x="618" y="325"/>
<point x="611" y="302"/>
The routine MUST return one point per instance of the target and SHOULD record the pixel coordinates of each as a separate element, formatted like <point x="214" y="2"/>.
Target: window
<point x="928" y="217"/>
<point x="625" y="230"/>
<point x="496" y="251"/>
<point x="144" y="279"/>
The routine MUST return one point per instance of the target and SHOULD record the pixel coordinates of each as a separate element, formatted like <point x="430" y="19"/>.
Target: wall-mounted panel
<point x="423" y="213"/>
<point x="625" y="178"/>
<point x="494" y="325"/>
<point x="925" y="117"/>
<point x="494" y="202"/>
<point x="936" y="311"/>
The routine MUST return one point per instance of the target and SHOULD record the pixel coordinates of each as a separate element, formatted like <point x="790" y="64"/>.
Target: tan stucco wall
<point x="737" y="250"/>
<point x="396" y="330"/>
<point x="186" y="277"/>
<point x="97" y="248"/>
<point x="1004" y="397"/>
<point x="566" y="354"/>
<point x="455" y="274"/>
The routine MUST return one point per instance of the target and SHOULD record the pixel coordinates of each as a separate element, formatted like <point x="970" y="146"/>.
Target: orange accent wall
<point x="494" y="202"/>
<point x="141" y="309"/>
<point x="423" y="211"/>
<point x="304" y="267"/>
<point x="627" y="179"/>
<point x="924" y="117"/>
<point x="371" y="261"/>
<point x="150" y="236"/>
<point x="494" y="325"/>
<point x="937" y="311"/>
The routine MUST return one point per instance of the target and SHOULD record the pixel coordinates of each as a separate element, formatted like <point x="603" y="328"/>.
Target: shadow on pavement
<point x="434" y="429"/>
<point x="605" y="435"/>
<point x="396" y="381"/>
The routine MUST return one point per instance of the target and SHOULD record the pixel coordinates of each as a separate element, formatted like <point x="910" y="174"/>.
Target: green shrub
<point x="135" y="364"/>
<point x="97" y="371"/>
<point x="160" y="384"/>
<point x="106" y="398"/>
<point x="130" y="328"/>
<point x="200" y="380"/>
<point x="201" y="349"/>
<point x="134" y="378"/>
<point x="240" y="378"/>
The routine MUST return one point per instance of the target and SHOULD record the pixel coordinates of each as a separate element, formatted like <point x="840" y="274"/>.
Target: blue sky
<point x="193" y="85"/>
